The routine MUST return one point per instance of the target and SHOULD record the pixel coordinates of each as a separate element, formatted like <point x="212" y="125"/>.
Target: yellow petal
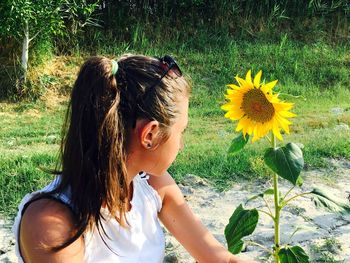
<point x="276" y="131"/>
<point x="266" y="128"/>
<point x="230" y="91"/>
<point x="230" y="107"/>
<point x="282" y="119"/>
<point x="233" y="86"/>
<point x="255" y="135"/>
<point x="258" y="132"/>
<point x="250" y="129"/>
<point x="284" y="123"/>
<point x="287" y="114"/>
<point x="273" y="99"/>
<point x="241" y="82"/>
<point x="269" y="86"/>
<point x="244" y="90"/>
<point x="234" y="115"/>
<point x="235" y="96"/>
<point x="263" y="129"/>
<point x="283" y="106"/>
<point x="257" y="79"/>
<point x="239" y="125"/>
<point x="248" y="77"/>
<point x="230" y="96"/>
<point x="226" y="107"/>
<point x="242" y="123"/>
<point x="286" y="105"/>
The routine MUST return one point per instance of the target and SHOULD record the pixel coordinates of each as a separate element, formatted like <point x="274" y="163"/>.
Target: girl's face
<point x="158" y="160"/>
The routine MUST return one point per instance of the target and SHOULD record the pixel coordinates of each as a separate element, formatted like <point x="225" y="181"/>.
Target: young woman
<point x="123" y="130"/>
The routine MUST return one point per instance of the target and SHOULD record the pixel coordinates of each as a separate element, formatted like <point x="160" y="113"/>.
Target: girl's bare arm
<point x="179" y="219"/>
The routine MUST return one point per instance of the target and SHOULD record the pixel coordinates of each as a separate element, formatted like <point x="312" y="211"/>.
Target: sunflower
<point x="256" y="108"/>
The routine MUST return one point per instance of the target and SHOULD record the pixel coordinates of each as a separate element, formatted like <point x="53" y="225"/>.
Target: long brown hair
<point x="102" y="110"/>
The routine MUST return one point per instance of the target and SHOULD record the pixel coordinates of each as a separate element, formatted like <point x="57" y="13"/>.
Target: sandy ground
<point x="324" y="235"/>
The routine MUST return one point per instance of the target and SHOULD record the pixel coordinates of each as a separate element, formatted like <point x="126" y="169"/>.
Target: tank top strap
<point x="145" y="190"/>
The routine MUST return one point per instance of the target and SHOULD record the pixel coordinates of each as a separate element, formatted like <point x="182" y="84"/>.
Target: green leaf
<point x="293" y="255"/>
<point x="286" y="161"/>
<point x="323" y="198"/>
<point x="269" y="191"/>
<point x="238" y="143"/>
<point x="242" y="223"/>
<point x="300" y="181"/>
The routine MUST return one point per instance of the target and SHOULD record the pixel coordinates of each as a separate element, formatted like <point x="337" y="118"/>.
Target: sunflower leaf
<point x="242" y="223"/>
<point x="238" y="143"/>
<point x="322" y="198"/>
<point x="293" y="254"/>
<point x="286" y="161"/>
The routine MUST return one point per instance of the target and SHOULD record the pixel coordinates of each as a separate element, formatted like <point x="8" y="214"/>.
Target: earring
<point x="149" y="146"/>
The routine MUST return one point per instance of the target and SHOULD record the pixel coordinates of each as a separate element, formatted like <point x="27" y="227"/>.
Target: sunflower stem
<point x="267" y="213"/>
<point x="277" y="208"/>
<point x="289" y="191"/>
<point x="259" y="245"/>
<point x="296" y="196"/>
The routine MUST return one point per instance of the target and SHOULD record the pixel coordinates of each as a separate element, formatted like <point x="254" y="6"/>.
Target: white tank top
<point x="143" y="241"/>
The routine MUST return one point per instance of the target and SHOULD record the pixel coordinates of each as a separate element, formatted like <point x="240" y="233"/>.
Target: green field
<point x="317" y="75"/>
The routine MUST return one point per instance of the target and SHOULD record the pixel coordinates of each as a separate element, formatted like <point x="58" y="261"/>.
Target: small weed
<point x="332" y="245"/>
<point x="327" y="251"/>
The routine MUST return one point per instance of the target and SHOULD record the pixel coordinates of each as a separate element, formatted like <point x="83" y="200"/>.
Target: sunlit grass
<point x="30" y="131"/>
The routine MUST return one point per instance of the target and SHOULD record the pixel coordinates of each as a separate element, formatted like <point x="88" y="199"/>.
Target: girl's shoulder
<point x="46" y="224"/>
<point x="161" y="183"/>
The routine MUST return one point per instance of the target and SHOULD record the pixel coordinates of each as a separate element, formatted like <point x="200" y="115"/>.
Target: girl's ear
<point x="149" y="134"/>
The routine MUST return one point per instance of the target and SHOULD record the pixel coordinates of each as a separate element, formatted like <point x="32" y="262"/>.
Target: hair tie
<point x="114" y="67"/>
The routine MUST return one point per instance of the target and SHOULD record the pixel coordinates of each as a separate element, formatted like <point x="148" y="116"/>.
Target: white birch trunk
<point x="25" y="47"/>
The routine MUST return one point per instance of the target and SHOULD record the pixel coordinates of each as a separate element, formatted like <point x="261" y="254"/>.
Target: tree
<point x="26" y="19"/>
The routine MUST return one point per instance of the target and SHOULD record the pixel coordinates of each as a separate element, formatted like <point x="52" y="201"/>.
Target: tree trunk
<point x="25" y="47"/>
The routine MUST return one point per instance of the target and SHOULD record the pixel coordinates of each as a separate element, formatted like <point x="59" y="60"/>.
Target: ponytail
<point x="104" y="105"/>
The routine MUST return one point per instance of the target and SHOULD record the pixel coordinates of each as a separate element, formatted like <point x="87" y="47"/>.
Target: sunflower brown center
<point x="256" y="106"/>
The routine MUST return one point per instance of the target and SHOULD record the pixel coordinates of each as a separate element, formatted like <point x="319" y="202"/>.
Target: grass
<point x="30" y="133"/>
